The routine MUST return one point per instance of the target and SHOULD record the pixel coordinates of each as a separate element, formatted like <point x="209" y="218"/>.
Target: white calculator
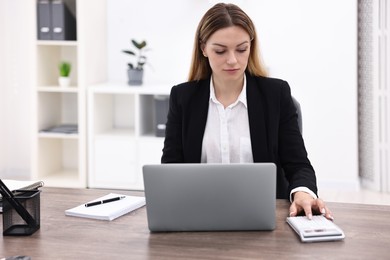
<point x="317" y="229"/>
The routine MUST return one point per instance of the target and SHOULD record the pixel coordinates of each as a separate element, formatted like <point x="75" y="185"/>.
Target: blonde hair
<point x="218" y="17"/>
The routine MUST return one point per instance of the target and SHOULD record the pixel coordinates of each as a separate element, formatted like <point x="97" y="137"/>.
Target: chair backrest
<point x="299" y="112"/>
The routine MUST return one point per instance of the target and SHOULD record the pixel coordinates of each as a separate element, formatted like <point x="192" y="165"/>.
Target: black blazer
<point x="274" y="131"/>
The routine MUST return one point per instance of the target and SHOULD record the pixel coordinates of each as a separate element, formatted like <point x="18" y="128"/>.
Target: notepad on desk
<point x="107" y="211"/>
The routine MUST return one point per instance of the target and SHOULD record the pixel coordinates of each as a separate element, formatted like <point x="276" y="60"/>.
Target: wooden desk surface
<point x="367" y="229"/>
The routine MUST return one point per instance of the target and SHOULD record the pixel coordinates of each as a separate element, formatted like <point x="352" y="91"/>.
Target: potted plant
<point x="64" y="68"/>
<point x="135" y="70"/>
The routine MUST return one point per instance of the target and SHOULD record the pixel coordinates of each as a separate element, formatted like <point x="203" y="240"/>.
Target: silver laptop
<point x="210" y="197"/>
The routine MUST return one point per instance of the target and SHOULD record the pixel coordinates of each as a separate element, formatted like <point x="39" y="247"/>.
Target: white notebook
<point x="107" y="211"/>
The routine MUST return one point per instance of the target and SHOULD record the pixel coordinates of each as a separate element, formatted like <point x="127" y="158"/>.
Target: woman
<point x="230" y="112"/>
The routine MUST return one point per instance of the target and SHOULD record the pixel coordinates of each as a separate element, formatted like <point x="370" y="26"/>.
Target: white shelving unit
<point x="60" y="159"/>
<point x="121" y="139"/>
<point x="116" y="122"/>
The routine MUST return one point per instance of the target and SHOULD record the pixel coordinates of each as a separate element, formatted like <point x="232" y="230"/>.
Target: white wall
<point x="17" y="38"/>
<point x="2" y="91"/>
<point x="313" y="45"/>
<point x="310" y="43"/>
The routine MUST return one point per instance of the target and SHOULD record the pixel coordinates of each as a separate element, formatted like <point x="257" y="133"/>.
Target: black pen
<point x="104" y="201"/>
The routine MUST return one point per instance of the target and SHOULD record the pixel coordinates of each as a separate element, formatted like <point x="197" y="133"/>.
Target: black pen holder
<point x="13" y="223"/>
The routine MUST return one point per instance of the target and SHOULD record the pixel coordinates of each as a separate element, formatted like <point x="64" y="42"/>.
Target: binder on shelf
<point x="62" y="129"/>
<point x="63" y="22"/>
<point x="161" y="111"/>
<point x="44" y="19"/>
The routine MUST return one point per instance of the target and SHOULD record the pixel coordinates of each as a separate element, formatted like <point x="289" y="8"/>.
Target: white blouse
<point x="227" y="138"/>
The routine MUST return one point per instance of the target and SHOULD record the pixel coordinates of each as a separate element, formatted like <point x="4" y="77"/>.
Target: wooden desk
<point x="367" y="229"/>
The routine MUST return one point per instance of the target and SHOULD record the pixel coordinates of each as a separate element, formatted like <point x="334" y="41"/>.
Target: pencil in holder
<point x="24" y="219"/>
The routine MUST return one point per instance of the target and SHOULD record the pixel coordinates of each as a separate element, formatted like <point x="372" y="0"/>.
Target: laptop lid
<point x="210" y="197"/>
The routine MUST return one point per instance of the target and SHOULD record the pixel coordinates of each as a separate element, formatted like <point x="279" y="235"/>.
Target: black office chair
<point x="299" y="112"/>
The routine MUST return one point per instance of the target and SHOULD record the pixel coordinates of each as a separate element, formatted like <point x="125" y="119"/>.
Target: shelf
<point x="112" y="113"/>
<point x="58" y="160"/>
<point x="70" y="89"/>
<point x="56" y="108"/>
<point x="123" y="88"/>
<point x="64" y="178"/>
<point x="116" y="133"/>
<point x="56" y="43"/>
<point x="58" y="136"/>
<point x="49" y="58"/>
<point x="122" y="133"/>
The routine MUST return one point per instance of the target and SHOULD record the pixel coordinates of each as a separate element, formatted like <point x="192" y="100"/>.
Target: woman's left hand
<point x="304" y="202"/>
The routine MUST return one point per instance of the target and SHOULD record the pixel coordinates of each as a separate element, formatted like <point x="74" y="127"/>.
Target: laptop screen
<point x="210" y="197"/>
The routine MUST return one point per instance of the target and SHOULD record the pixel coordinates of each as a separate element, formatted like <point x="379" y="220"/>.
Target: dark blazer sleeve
<point x="292" y="152"/>
<point x="275" y="134"/>
<point x="186" y="122"/>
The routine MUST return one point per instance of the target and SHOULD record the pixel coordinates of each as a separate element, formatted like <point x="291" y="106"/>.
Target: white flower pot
<point x="64" y="81"/>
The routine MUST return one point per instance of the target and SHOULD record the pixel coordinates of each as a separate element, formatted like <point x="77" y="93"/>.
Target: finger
<point x="328" y="214"/>
<point x="319" y="205"/>
<point x="307" y="210"/>
<point x="323" y="209"/>
<point x="293" y="210"/>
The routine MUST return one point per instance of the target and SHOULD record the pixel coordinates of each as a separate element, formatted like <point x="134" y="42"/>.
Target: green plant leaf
<point x="64" y="68"/>
<point x="139" y="45"/>
<point x="140" y="58"/>
<point x="129" y="52"/>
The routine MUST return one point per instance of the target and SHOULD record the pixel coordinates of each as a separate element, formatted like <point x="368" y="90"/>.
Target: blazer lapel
<point x="257" y="121"/>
